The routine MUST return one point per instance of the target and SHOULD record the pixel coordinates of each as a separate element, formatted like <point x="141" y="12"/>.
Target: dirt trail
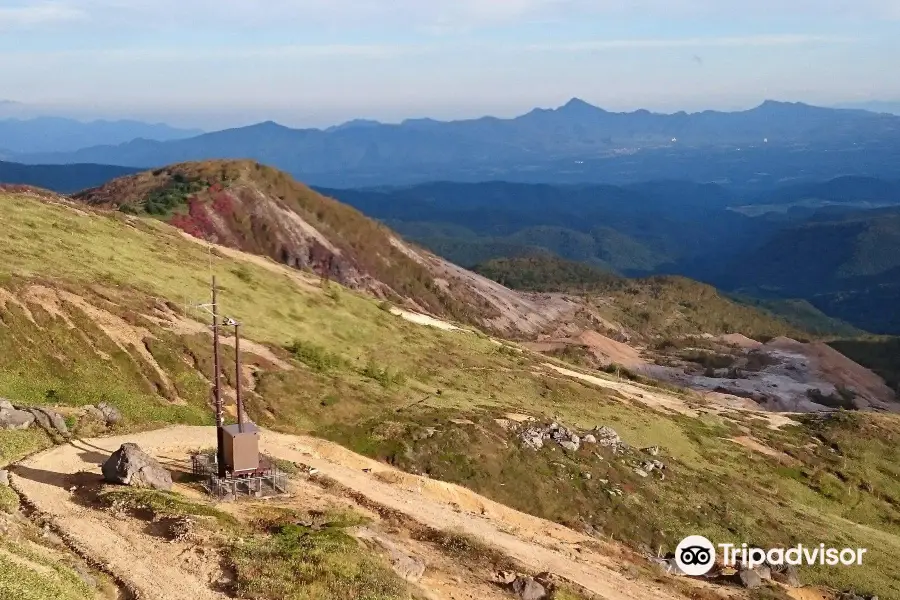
<point x="158" y="570"/>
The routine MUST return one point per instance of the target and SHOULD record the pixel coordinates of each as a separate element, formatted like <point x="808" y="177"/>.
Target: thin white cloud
<point x="432" y="15"/>
<point x="694" y="42"/>
<point x="38" y="13"/>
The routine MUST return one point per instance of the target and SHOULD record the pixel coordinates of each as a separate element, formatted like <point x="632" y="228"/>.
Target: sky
<point x="218" y="63"/>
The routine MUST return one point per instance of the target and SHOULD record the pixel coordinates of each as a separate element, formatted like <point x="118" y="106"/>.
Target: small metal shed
<point x="241" y="448"/>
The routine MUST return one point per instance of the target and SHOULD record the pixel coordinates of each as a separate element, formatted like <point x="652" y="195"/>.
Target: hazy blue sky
<point x="312" y="62"/>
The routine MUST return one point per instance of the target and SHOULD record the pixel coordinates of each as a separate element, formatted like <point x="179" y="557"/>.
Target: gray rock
<point x="51" y="421"/>
<point x="4" y="478"/>
<point x="786" y="574"/>
<point x="589" y="439"/>
<point x="409" y="568"/>
<point x="667" y="565"/>
<point x="608" y="438"/>
<point x="112" y="414"/>
<point x="129" y="465"/>
<point x="570" y="445"/>
<point x="15" y="419"/>
<point x="57" y="421"/>
<point x="94" y="413"/>
<point x="652" y="450"/>
<point x="750" y="579"/>
<point x="41" y="419"/>
<point x="532" y="438"/>
<point x="527" y="588"/>
<point x="6" y="404"/>
<point x="641" y="472"/>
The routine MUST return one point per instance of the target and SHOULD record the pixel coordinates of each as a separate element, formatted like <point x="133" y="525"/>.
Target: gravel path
<point x="153" y="569"/>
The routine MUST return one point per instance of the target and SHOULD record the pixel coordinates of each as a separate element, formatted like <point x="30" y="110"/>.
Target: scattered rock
<point x="110" y="412"/>
<point x="590" y="439"/>
<point x="608" y="438"/>
<point x="532" y="438"/>
<point x="749" y="578"/>
<point x="41" y="419"/>
<point x="641" y="472"/>
<point x="527" y="588"/>
<point x="95" y="413"/>
<point x="409" y="568"/>
<point x="854" y="596"/>
<point x="652" y="450"/>
<point x="15" y="419"/>
<point x="56" y="420"/>
<point x="786" y="574"/>
<point x="667" y="565"/>
<point x="4" y="478"/>
<point x="652" y="465"/>
<point x="570" y="445"/>
<point x="129" y="465"/>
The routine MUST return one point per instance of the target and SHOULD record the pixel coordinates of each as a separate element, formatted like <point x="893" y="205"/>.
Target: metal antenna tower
<point x="213" y="310"/>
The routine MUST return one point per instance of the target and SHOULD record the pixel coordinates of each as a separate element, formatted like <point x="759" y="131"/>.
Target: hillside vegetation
<point x="258" y="209"/>
<point x="653" y="307"/>
<point x="93" y="308"/>
<point x="847" y="265"/>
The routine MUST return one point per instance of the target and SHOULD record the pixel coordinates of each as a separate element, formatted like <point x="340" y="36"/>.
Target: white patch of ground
<point x="421" y="319"/>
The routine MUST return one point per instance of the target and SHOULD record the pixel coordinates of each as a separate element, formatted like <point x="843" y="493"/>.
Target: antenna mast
<point x="217" y="384"/>
<point x="237" y="376"/>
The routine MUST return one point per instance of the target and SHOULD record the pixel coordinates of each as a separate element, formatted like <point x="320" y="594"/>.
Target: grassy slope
<point x="183" y="194"/>
<point x="364" y="377"/>
<point x="656" y="306"/>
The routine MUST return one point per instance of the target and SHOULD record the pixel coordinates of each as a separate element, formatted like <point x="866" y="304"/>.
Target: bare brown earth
<point x="839" y="370"/>
<point x="164" y="570"/>
<point x="603" y="349"/>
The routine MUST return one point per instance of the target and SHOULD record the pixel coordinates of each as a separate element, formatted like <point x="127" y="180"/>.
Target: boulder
<point x="590" y="439"/>
<point x="129" y="465"/>
<point x="51" y="421"/>
<point x="749" y="578"/>
<point x="41" y="419"/>
<point x="527" y="588"/>
<point x="786" y="574"/>
<point x="56" y="420"/>
<point x="4" y="478"/>
<point x="6" y="404"/>
<point x="15" y="419"/>
<point x="110" y="412"/>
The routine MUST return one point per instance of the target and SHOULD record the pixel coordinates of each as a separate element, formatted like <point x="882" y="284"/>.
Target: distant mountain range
<point x="54" y="134"/>
<point x="574" y="143"/>
<point x="65" y="179"/>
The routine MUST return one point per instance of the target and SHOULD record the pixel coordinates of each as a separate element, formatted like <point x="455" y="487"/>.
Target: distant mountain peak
<point x="355" y="124"/>
<point x="577" y="105"/>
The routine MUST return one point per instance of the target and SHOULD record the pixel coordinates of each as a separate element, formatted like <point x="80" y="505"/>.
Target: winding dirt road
<point x="158" y="570"/>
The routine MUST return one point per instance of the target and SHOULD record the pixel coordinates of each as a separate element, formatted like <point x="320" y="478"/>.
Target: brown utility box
<point x="241" y="448"/>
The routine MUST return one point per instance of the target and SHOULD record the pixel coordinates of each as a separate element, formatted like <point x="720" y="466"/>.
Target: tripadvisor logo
<point x="696" y="556"/>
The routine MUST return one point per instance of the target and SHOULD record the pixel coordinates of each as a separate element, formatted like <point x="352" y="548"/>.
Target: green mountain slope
<point x="651" y="307"/>
<point x="93" y="308"/>
<point x="847" y="265"/>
